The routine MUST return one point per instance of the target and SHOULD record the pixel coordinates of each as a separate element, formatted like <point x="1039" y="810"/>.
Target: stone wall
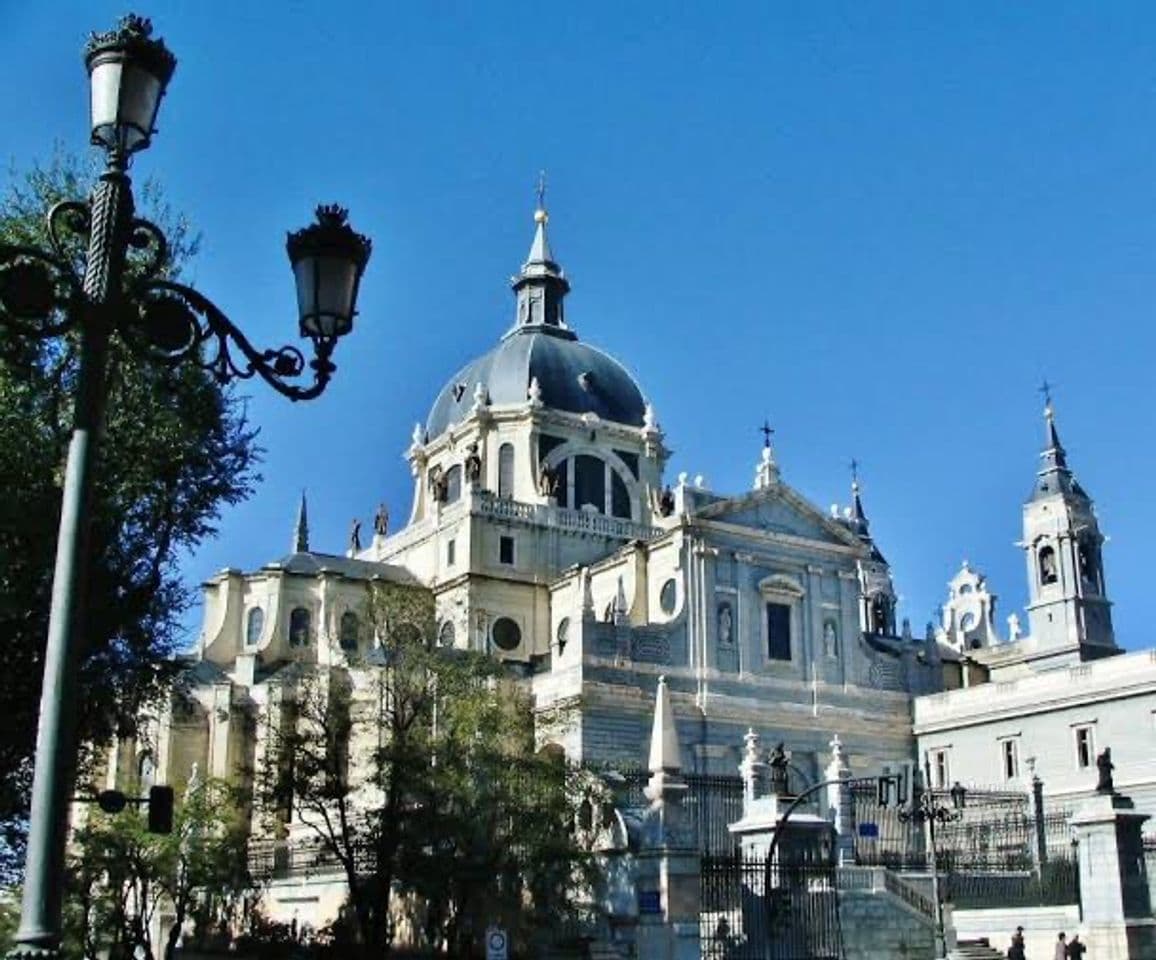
<point x="878" y="927"/>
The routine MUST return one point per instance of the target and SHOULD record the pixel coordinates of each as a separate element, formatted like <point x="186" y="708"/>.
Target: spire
<point x="665" y="755"/>
<point x="301" y="530"/>
<point x="1053" y="475"/>
<point x="858" y="515"/>
<point x="541" y="285"/>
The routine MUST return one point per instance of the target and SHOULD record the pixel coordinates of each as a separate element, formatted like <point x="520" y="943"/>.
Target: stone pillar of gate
<point x="668" y="862"/>
<point x="1115" y="906"/>
<point x="839" y="804"/>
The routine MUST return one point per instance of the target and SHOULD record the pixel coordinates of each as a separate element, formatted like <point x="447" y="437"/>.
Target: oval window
<point x="668" y="596"/>
<point x="507" y="634"/>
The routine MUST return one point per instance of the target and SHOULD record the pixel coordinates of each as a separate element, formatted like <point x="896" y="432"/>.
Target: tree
<point x="123" y="875"/>
<point x="416" y="773"/>
<point x="176" y="450"/>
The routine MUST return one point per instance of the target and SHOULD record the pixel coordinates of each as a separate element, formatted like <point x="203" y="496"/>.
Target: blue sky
<point x="877" y="225"/>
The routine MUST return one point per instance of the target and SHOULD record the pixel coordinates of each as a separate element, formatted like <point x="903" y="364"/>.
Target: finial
<point x="854" y="475"/>
<point x="540" y="214"/>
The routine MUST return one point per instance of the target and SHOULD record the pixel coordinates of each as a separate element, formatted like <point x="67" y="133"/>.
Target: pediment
<point x="779" y="510"/>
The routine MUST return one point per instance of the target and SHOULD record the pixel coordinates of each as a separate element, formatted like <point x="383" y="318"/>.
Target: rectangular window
<point x="1009" y="749"/>
<point x="938" y="769"/>
<point x="778" y="631"/>
<point x="506" y="550"/>
<point x="1085" y="748"/>
<point x="451" y="549"/>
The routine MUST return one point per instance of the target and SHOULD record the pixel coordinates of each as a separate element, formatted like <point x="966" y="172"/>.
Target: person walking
<point x="1076" y="950"/>
<point x="1061" y="948"/>
<point x="1016" y="950"/>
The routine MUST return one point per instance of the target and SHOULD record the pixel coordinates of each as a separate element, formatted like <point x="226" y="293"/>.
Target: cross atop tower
<point x="1045" y="390"/>
<point x="854" y="472"/>
<point x="767" y="431"/>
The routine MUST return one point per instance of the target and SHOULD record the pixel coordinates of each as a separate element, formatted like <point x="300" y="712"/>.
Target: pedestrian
<point x="1061" y="948"/>
<point x="1076" y="950"/>
<point x="1016" y="950"/>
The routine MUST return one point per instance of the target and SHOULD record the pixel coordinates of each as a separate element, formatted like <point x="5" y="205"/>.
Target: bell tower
<point x="1069" y="612"/>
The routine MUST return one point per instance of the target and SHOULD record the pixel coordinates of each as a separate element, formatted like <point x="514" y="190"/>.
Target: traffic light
<point x="160" y="809"/>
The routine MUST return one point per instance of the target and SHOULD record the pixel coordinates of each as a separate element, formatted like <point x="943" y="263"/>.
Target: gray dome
<point x="573" y="377"/>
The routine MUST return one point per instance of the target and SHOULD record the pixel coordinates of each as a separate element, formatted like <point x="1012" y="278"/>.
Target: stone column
<point x="1114" y="898"/>
<point x="753" y="770"/>
<point x="839" y="804"/>
<point x="669" y="869"/>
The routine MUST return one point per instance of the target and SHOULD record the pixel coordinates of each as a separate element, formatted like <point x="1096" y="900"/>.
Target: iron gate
<point x="790" y="912"/>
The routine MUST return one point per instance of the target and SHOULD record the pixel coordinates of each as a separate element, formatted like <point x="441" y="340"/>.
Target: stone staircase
<point x="975" y="950"/>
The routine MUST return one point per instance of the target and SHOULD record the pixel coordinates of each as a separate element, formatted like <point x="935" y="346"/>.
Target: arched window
<point x="146" y="772"/>
<point x="506" y="470"/>
<point x="253" y="627"/>
<point x="453" y="484"/>
<point x="349" y="630"/>
<point x="446" y="634"/>
<point x="299" y="627"/>
<point x="1047" y="560"/>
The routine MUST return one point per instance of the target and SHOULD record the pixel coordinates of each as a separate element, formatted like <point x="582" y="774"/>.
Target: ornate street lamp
<point x="80" y="286"/>
<point x="929" y="808"/>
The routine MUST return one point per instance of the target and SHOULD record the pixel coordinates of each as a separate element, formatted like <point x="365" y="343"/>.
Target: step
<point x="975" y="950"/>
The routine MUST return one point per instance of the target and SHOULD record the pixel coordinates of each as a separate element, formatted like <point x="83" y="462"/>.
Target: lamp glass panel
<point x="336" y="276"/>
<point x="140" y="97"/>
<point x="104" y="87"/>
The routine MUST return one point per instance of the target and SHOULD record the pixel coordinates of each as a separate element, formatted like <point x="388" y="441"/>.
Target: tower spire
<point x="1054" y="476"/>
<point x="541" y="284"/>
<point x="858" y="514"/>
<point x="301" y="529"/>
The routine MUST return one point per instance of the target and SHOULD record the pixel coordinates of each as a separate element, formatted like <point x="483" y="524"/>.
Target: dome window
<point x="453" y="483"/>
<point x="589" y="483"/>
<point x="506" y="470"/>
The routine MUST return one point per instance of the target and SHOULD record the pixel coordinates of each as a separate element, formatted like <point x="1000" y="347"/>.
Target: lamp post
<point x="928" y="808"/>
<point x="89" y="294"/>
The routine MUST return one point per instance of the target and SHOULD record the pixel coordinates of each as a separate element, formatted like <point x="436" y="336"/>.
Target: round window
<point x="507" y="634"/>
<point x="563" y="633"/>
<point x="668" y="597"/>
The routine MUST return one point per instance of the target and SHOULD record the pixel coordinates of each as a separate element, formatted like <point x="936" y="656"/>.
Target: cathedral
<point x="550" y="538"/>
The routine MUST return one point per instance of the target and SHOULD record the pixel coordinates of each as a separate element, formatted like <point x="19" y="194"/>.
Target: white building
<point x="1045" y="704"/>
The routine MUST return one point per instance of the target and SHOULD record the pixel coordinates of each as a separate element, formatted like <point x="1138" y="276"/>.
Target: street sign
<point x="869" y="830"/>
<point x="496" y="945"/>
<point x="649" y="901"/>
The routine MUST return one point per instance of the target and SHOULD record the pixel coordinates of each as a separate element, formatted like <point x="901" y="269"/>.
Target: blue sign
<point x="649" y="901"/>
<point x="869" y="830"/>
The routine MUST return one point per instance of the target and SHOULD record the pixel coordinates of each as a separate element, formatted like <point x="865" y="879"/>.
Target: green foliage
<point x="426" y="786"/>
<point x="122" y="875"/>
<point x="176" y="450"/>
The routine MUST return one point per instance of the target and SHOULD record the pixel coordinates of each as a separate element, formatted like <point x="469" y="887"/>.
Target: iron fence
<point x="748" y="913"/>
